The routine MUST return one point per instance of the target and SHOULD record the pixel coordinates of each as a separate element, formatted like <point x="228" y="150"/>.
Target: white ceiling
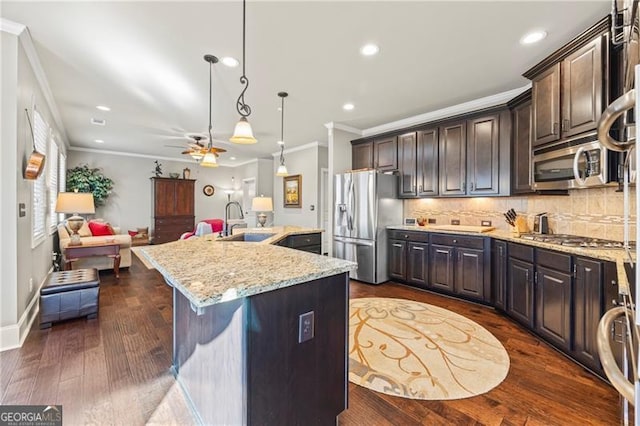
<point x="145" y="61"/>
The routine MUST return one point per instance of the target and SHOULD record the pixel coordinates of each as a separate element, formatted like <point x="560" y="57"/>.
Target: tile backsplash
<point x="596" y="212"/>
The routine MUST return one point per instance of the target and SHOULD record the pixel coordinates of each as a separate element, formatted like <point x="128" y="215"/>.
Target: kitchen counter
<point x="213" y="271"/>
<point x="612" y="255"/>
<point x="281" y="232"/>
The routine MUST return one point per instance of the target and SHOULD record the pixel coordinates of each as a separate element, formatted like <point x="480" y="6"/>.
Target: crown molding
<point x="32" y="56"/>
<point x="309" y="145"/>
<point x="474" y="105"/>
<point x="340" y="126"/>
<point x="11" y="27"/>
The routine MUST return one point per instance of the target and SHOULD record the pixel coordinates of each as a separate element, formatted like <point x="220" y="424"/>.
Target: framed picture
<point x="293" y="191"/>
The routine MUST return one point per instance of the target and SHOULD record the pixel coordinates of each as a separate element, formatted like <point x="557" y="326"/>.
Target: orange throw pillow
<point x="100" y="229"/>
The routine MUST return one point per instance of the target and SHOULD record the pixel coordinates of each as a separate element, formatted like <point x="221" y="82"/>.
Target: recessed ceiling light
<point x="98" y="141"/>
<point x="369" y="49"/>
<point x="533" y="37"/>
<point x="232" y="158"/>
<point x="230" y="62"/>
<point x="348" y="107"/>
<point x="98" y="121"/>
<point x="103" y="108"/>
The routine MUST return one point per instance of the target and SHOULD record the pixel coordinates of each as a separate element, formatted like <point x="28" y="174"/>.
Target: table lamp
<point x="262" y="204"/>
<point x="75" y="203"/>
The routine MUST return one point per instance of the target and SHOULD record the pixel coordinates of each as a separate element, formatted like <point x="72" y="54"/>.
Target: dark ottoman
<point x="69" y="294"/>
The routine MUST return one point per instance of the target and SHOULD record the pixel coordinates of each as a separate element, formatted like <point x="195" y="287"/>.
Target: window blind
<point x="52" y="183"/>
<point x="62" y="178"/>
<point x="39" y="200"/>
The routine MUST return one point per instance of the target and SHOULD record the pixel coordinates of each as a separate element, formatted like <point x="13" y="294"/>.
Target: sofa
<point x="98" y="262"/>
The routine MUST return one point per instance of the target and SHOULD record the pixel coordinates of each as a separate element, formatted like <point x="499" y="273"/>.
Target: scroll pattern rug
<point x="419" y="351"/>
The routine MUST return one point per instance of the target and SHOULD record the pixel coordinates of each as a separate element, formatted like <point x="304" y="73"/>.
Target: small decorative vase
<point x="186" y="173"/>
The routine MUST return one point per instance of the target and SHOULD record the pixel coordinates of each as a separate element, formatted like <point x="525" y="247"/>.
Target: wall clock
<point x="208" y="190"/>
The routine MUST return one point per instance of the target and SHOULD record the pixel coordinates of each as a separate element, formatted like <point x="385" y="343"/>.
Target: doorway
<point x="248" y="193"/>
<point x="324" y="209"/>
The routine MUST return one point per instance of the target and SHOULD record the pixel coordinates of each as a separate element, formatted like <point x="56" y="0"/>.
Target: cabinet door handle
<point x="418" y="248"/>
<point x="473" y="185"/>
<point x="565" y="124"/>
<point x="397" y="245"/>
<point x="406" y="236"/>
<point x="500" y="251"/>
<point x="455" y="241"/>
<point x="555" y="128"/>
<point x="464" y="186"/>
<point x="420" y="188"/>
<point x="526" y="275"/>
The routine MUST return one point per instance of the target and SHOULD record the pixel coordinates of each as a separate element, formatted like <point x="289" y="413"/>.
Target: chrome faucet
<point x="226" y="215"/>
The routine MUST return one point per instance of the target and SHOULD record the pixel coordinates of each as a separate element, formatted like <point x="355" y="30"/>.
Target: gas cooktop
<point x="576" y="241"/>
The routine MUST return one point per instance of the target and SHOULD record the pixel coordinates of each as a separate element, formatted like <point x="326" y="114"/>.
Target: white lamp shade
<point x="262" y="204"/>
<point x="209" y="160"/>
<point x="197" y="155"/>
<point x="243" y="134"/>
<point x="75" y="203"/>
<point x="282" y="170"/>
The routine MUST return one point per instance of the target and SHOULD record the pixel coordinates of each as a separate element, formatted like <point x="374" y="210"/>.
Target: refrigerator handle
<point x="350" y="207"/>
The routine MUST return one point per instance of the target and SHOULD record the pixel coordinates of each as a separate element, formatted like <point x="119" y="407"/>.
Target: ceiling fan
<point x="198" y="147"/>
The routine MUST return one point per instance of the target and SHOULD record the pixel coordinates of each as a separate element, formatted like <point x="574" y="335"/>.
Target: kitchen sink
<point x="249" y="237"/>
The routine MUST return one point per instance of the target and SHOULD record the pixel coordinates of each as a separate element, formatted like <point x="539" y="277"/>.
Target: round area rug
<point x="419" y="351"/>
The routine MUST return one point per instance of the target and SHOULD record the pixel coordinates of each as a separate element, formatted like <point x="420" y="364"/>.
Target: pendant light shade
<point x="243" y="134"/>
<point x="282" y="169"/>
<point x="209" y="160"/>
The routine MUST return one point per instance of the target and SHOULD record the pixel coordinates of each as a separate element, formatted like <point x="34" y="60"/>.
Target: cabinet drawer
<point x="457" y="240"/>
<point x="296" y="241"/>
<point x="554" y="260"/>
<point x="521" y="252"/>
<point x="178" y="220"/>
<point x="422" y="237"/>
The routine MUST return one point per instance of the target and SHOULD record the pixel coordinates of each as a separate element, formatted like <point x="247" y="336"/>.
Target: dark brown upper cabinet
<point x="570" y="87"/>
<point x="521" y="158"/>
<point x="362" y="155"/>
<point x="385" y="154"/>
<point x="483" y="155"/>
<point x="407" y="162"/>
<point x="418" y="163"/>
<point x="453" y="147"/>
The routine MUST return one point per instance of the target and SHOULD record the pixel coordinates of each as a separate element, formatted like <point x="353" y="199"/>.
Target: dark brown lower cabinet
<point x="418" y="264"/>
<point x="469" y="280"/>
<point x="304" y="242"/>
<point x="588" y="308"/>
<point x="397" y="253"/>
<point x="520" y="291"/>
<point x="442" y="267"/>
<point x="499" y="274"/>
<point x="553" y="306"/>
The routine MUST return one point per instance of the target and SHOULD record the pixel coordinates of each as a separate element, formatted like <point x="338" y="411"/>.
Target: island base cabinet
<point x="240" y="362"/>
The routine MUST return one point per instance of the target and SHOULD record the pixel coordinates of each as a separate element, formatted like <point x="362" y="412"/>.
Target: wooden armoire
<point x="172" y="208"/>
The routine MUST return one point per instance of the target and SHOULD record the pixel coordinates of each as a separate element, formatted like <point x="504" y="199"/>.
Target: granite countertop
<point x="618" y="256"/>
<point x="209" y="271"/>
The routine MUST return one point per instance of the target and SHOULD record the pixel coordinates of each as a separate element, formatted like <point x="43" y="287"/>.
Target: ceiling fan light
<point x="243" y="134"/>
<point x="209" y="160"/>
<point x="282" y="170"/>
<point x="197" y="155"/>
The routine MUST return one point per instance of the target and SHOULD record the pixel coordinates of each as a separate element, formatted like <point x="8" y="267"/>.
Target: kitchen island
<point x="244" y="352"/>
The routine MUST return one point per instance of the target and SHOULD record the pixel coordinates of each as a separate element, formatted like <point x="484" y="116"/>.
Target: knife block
<point x="520" y="226"/>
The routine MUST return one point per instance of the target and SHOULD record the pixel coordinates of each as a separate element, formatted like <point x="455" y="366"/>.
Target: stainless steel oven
<point x="577" y="164"/>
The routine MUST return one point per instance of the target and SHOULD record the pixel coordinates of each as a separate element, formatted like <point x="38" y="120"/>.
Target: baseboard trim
<point x="13" y="336"/>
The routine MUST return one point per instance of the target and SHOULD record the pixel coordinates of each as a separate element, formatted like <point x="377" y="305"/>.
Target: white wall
<point x="129" y="205"/>
<point x="303" y="161"/>
<point x="23" y="85"/>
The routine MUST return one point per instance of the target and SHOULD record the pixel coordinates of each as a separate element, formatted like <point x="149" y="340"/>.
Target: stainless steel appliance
<point x="541" y="224"/>
<point x="581" y="163"/>
<point x="365" y="204"/>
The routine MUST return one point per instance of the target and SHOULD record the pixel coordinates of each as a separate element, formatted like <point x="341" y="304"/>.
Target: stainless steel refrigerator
<point x="365" y="204"/>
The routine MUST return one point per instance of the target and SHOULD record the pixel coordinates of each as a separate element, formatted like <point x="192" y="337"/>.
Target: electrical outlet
<point x="455" y="221"/>
<point x="305" y="327"/>
<point x="30" y="285"/>
<point x="431" y="221"/>
<point x="485" y="223"/>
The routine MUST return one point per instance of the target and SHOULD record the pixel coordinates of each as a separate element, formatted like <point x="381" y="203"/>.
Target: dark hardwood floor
<point x="115" y="369"/>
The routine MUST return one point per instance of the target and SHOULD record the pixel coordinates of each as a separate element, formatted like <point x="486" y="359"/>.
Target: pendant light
<point x="209" y="155"/>
<point x="282" y="169"/>
<point x="243" y="134"/>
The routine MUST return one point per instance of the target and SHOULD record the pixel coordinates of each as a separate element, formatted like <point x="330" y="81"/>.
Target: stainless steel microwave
<point x="583" y="165"/>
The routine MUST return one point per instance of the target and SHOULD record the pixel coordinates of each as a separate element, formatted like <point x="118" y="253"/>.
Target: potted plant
<point x="84" y="179"/>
